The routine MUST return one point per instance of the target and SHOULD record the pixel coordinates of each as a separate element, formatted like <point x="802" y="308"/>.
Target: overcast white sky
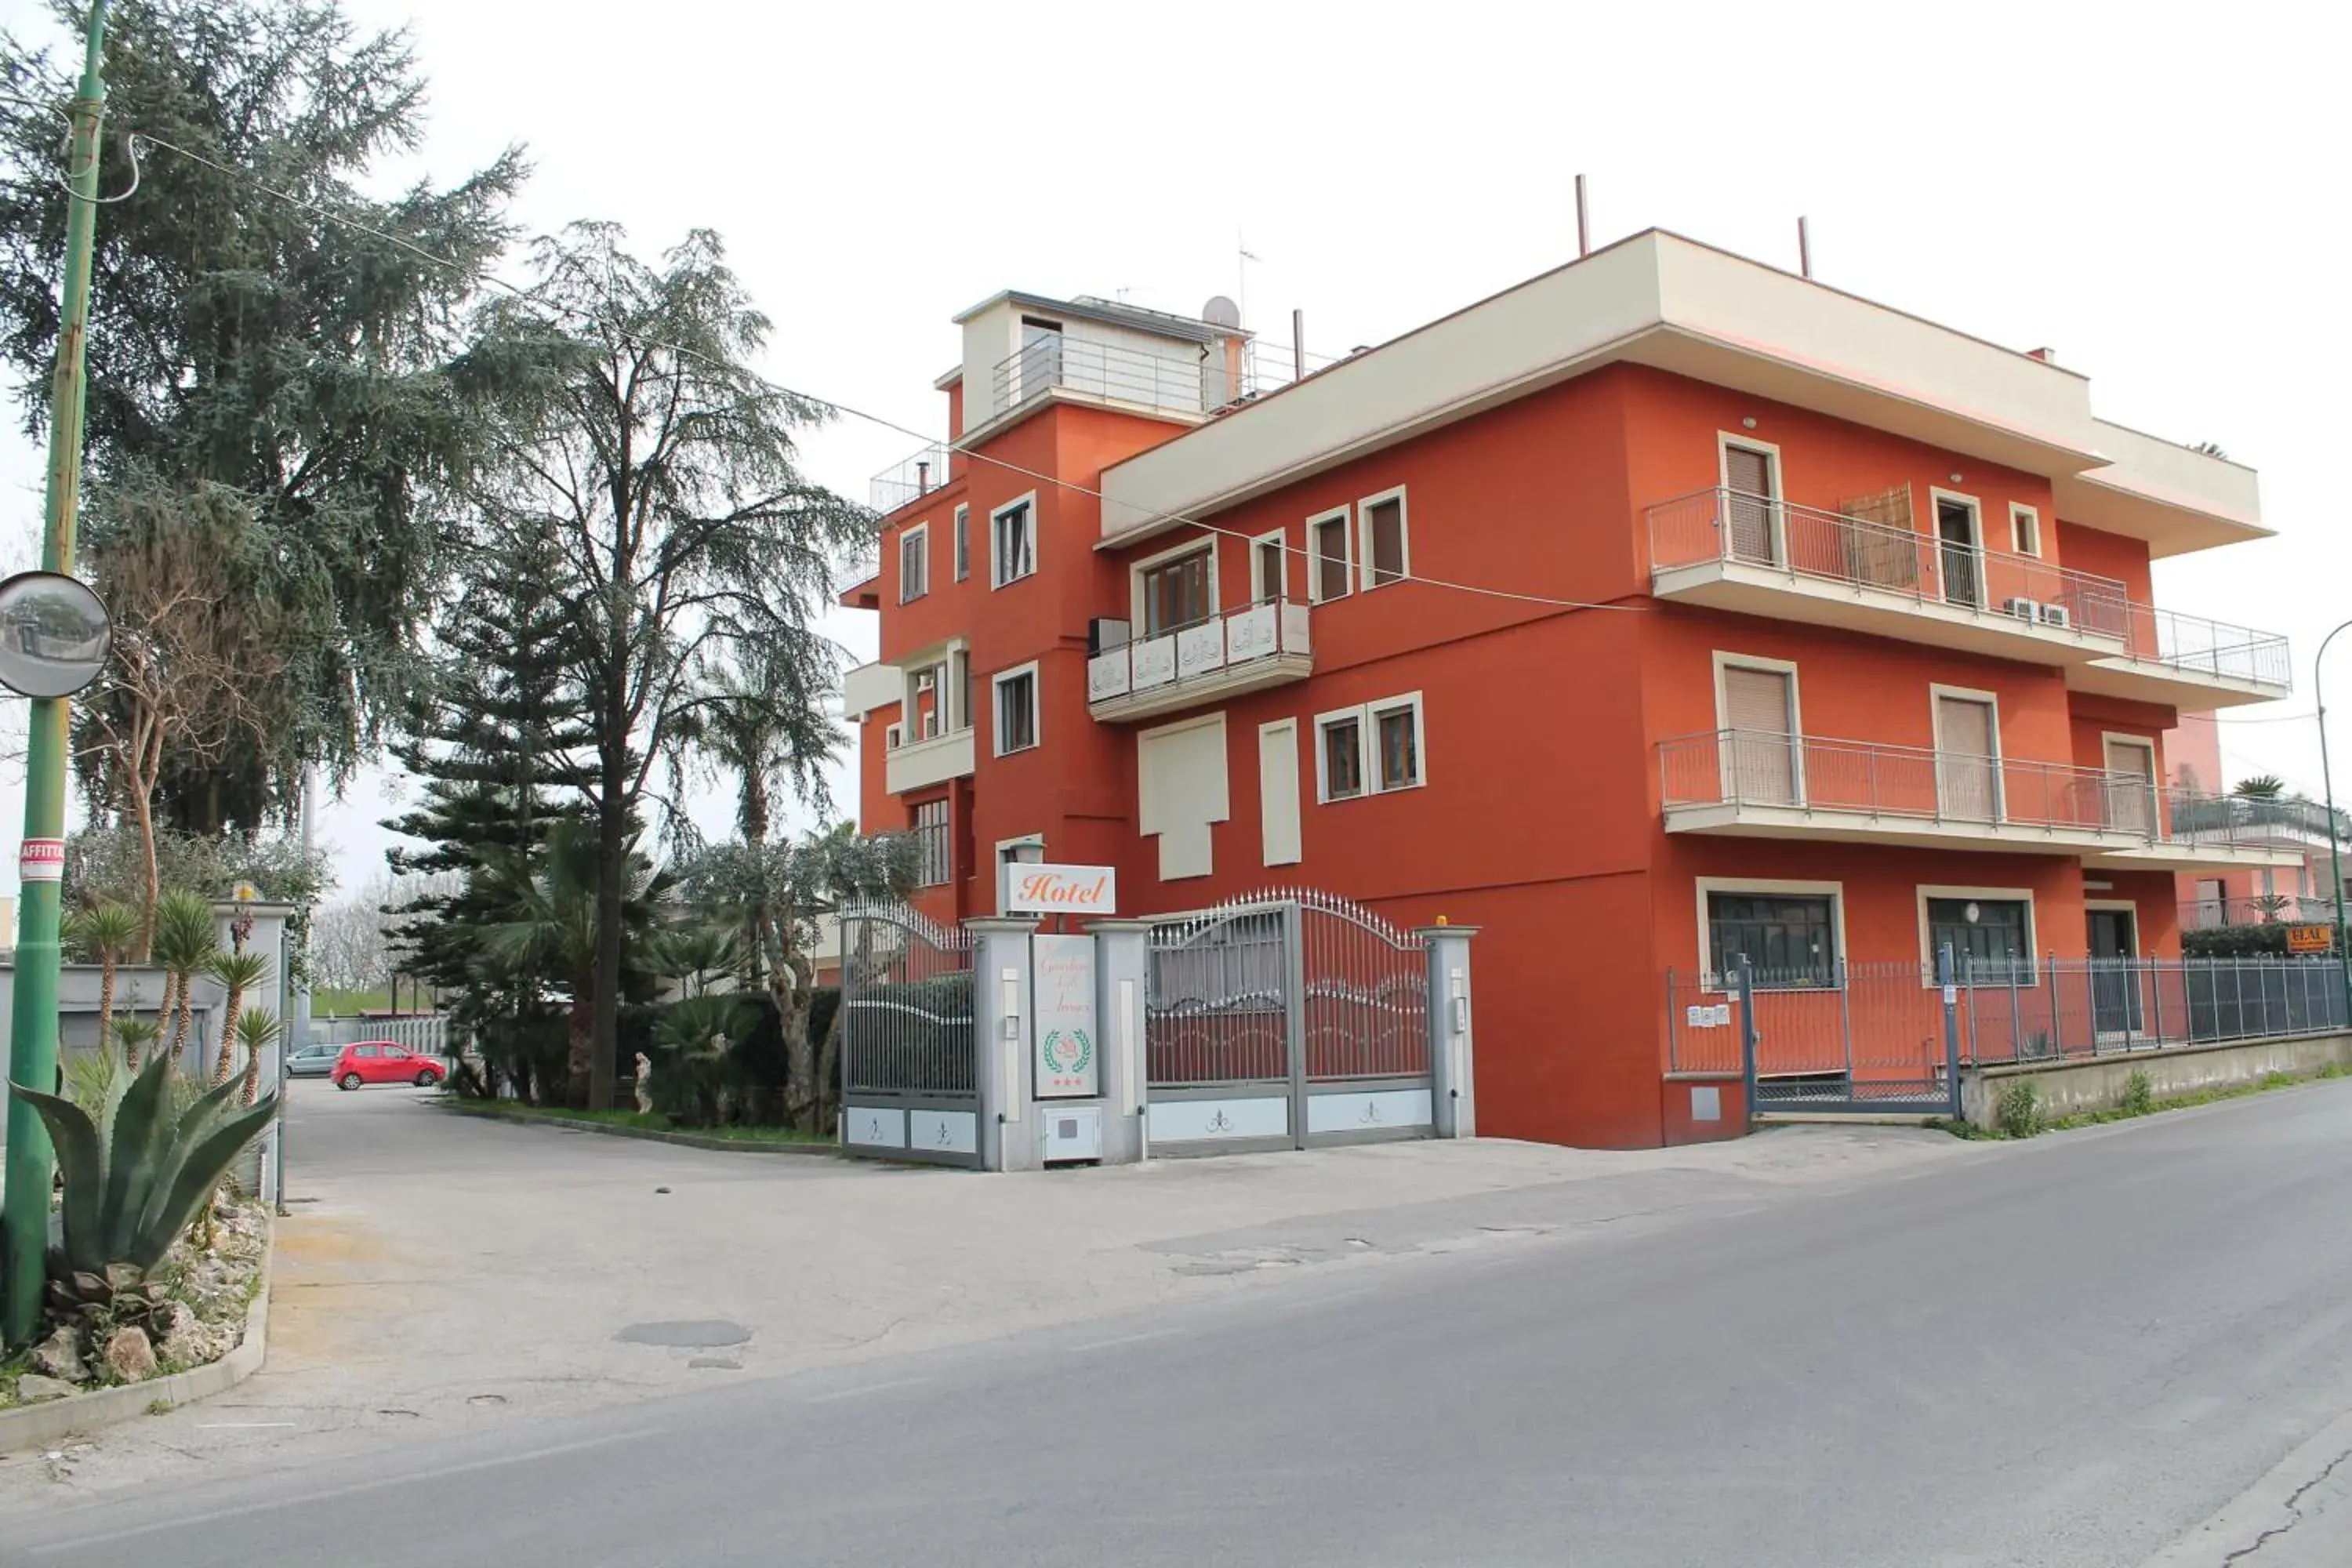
<point x="2148" y="189"/>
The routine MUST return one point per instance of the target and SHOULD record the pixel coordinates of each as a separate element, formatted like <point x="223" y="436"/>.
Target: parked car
<point x="381" y="1061"/>
<point x="314" y="1060"/>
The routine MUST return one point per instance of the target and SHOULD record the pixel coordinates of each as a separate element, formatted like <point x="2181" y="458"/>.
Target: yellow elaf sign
<point x="2310" y="939"/>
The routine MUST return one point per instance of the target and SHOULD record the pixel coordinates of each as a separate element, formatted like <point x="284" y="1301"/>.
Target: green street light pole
<point x="2327" y="787"/>
<point x="33" y="1023"/>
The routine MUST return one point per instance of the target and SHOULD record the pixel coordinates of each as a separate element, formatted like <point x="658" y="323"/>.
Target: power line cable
<point x="491" y="279"/>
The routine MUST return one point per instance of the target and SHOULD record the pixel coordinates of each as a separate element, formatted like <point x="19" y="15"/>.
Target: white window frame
<point x="1703" y="886"/>
<point x="908" y="537"/>
<point x="1726" y="659"/>
<point x="1927" y="890"/>
<point x="996" y="577"/>
<point x="1281" y="543"/>
<point x="1345" y="517"/>
<point x="2122" y="906"/>
<point x="1364" y="582"/>
<point x="1367" y="716"/>
<point x="1137" y="570"/>
<point x="996" y="684"/>
<point x="2025" y="540"/>
<point x="1936" y="496"/>
<point x="893" y="735"/>
<point x="2155" y="804"/>
<point x="962" y="542"/>
<point x="1280" y="735"/>
<point x="1936" y="692"/>
<point x="1770" y="452"/>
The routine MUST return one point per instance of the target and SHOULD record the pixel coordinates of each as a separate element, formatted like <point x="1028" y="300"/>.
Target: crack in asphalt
<point x="2295" y="1513"/>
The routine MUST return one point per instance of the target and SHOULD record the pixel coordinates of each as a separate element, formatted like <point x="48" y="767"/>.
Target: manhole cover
<point x="709" y="1333"/>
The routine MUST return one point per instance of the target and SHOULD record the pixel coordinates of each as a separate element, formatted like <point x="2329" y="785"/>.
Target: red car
<point x="381" y="1061"/>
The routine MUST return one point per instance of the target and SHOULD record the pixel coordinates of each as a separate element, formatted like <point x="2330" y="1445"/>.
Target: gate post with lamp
<point x="1453" y="1081"/>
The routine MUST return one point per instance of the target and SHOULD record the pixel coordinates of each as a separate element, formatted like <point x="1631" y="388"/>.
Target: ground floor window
<point x="1789" y="939"/>
<point x="934" y="862"/>
<point x="1988" y="937"/>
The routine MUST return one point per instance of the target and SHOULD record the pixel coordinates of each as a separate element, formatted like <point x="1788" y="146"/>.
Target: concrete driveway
<point x="437" y="1274"/>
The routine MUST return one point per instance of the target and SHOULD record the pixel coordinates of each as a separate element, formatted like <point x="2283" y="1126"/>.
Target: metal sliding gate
<point x="909" y="1086"/>
<point x="1285" y="1020"/>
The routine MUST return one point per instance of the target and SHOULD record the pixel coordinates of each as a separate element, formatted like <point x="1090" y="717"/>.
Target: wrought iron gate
<point x="1285" y="1020"/>
<point x="909" y="1070"/>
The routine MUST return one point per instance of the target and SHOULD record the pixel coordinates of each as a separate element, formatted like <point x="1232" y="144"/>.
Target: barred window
<point x="935" y="861"/>
<point x="1789" y="938"/>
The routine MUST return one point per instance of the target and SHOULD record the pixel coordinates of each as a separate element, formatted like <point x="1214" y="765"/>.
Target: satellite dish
<point x="54" y="635"/>
<point x="1221" y="311"/>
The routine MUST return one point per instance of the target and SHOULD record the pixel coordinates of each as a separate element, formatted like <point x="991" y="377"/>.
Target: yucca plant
<point x="184" y="941"/>
<point x="133" y="1179"/>
<point x="257" y="1031"/>
<point x="136" y="1035"/>
<point x="237" y="973"/>
<point x="106" y="934"/>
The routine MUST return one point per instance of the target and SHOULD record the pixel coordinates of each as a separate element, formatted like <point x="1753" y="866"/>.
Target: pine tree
<point x="498" y="745"/>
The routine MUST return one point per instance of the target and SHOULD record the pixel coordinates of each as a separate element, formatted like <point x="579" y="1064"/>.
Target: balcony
<point x="1755" y="783"/>
<point x="2275" y="908"/>
<point x="909" y="480"/>
<point x="918" y="764"/>
<point x="1242" y="650"/>
<point x="1113" y="374"/>
<point x="1732" y="551"/>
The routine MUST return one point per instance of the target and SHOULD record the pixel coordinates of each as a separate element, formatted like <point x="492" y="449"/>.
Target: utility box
<point x="1073" y="1133"/>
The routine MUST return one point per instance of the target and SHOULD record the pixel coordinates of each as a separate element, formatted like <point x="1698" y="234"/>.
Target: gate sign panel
<point x="2310" y="939"/>
<point x="1041" y="890"/>
<point x="1069" y="1047"/>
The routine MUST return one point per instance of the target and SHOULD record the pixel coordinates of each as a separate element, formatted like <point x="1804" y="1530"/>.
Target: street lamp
<point x="2327" y="787"/>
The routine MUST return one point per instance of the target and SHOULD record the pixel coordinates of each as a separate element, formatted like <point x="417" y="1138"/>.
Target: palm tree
<point x="2261" y="787"/>
<point x="134" y="1034"/>
<point x="106" y="933"/>
<point x="237" y="973"/>
<point x="691" y="954"/>
<point x="758" y="724"/>
<point x="183" y="943"/>
<point x="257" y="1031"/>
<point x="553" y="927"/>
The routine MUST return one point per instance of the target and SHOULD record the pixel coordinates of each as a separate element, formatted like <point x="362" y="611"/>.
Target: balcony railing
<point x="901" y="482"/>
<point x="1190" y="653"/>
<point x="1733" y="526"/>
<point x="1114" y="372"/>
<point x="2274" y="908"/>
<point x="1910" y="784"/>
<point x="2262" y="817"/>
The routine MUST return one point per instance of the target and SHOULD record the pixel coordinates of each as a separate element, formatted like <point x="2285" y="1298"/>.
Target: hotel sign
<point x="1040" y="889"/>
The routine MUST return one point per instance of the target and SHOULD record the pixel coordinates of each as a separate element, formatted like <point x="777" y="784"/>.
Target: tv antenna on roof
<point x="1243" y="255"/>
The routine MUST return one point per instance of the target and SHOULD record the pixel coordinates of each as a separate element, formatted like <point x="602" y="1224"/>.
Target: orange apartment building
<point x="1664" y="607"/>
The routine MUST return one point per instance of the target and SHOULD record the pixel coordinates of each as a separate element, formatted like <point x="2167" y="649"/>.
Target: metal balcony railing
<point x="901" y="482"/>
<point x="2272" y="909"/>
<point x="1760" y="768"/>
<point x="1722" y="525"/>
<point x="1114" y="372"/>
<point x="1188" y="653"/>
<point x="2262" y="818"/>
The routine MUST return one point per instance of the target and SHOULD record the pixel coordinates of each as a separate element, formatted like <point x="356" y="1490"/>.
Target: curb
<point x="650" y="1134"/>
<point x="33" y="1426"/>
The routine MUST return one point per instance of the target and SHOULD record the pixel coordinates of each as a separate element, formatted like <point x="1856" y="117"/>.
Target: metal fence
<point x="1883" y="1023"/>
<point x="428" y="1035"/>
<point x="907" y="1005"/>
<point x="910" y="477"/>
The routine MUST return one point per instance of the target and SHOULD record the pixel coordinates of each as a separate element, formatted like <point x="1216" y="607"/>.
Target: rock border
<point x="38" y="1425"/>
<point x="650" y="1134"/>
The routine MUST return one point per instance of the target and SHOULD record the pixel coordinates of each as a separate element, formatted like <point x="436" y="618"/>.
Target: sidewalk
<point x="437" y="1272"/>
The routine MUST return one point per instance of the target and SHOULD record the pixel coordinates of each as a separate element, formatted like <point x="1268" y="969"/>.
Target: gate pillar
<point x="1122" y="982"/>
<point x="1453" y="1081"/>
<point x="1001" y="1037"/>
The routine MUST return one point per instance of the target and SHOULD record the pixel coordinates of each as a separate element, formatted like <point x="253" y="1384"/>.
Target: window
<point x="893" y="737"/>
<point x="962" y="542"/>
<point x="1339" y="771"/>
<point x="1013" y="541"/>
<point x="1370" y="750"/>
<point x="1015" y="701"/>
<point x="1384" y="553"/>
<point x="1178" y="592"/>
<point x="1750" y="473"/>
<point x="1269" y="569"/>
<point x="933" y="861"/>
<point x="369" y="1051"/>
<point x="1329" y="557"/>
<point x="1789" y="939"/>
<point x="914" y="563"/>
<point x="2025" y="530"/>
<point x="960" y="662"/>
<point x="1991" y="936"/>
<point x="1959" y="543"/>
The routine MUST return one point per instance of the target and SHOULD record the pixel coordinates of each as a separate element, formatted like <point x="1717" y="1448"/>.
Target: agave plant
<point x="133" y="1180"/>
<point x="237" y="973"/>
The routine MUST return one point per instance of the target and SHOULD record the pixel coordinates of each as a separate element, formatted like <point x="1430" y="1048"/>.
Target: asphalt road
<point x="2066" y="1353"/>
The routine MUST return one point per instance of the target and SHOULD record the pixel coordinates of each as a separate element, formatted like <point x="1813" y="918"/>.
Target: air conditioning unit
<point x="2056" y="615"/>
<point x="2023" y="609"/>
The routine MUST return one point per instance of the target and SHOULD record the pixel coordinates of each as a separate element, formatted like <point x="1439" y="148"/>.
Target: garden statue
<point x="644" y="1085"/>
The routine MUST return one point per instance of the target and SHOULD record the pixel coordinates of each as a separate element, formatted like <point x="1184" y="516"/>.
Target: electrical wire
<point x="1152" y="520"/>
